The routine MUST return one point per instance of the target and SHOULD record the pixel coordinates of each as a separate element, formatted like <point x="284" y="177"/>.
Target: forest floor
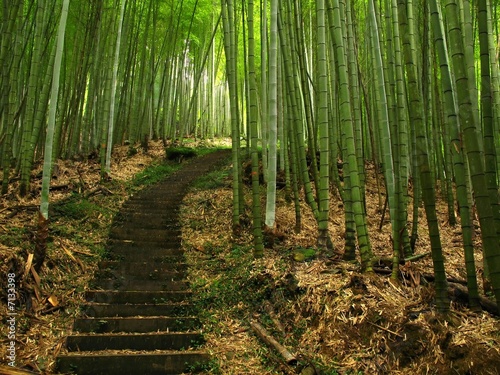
<point x="331" y="317"/>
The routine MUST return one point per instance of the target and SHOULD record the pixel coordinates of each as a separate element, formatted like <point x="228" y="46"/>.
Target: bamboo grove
<point x="304" y="88"/>
<point x="409" y="86"/>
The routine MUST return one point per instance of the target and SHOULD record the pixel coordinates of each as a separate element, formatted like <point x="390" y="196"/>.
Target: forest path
<point x="139" y="318"/>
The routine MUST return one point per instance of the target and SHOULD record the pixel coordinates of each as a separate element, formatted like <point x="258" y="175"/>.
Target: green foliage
<point x="210" y="367"/>
<point x="239" y="287"/>
<point x="153" y="174"/>
<point x="180" y="153"/>
<point x="213" y="180"/>
<point x="78" y="208"/>
<point x="303" y="255"/>
<point x="13" y="236"/>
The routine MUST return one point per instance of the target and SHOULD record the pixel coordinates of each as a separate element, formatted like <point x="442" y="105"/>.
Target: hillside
<point x="332" y="318"/>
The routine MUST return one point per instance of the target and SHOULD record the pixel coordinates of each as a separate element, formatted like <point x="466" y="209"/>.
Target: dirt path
<point x="139" y="318"/>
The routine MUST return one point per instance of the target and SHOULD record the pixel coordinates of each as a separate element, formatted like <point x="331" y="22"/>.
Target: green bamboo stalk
<point x="417" y="114"/>
<point x="272" y="123"/>
<point x="472" y="147"/>
<point x="258" y="250"/>
<point x="347" y="127"/>
<point x="456" y="149"/>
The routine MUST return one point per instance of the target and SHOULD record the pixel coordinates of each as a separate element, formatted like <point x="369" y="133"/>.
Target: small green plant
<point x="178" y="154"/>
<point x="153" y="174"/>
<point x="212" y="366"/>
<point x="14" y="236"/>
<point x="78" y="209"/>
<point x="303" y="255"/>
<point x="212" y="180"/>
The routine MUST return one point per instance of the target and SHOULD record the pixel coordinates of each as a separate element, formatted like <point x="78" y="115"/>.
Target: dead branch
<point x="59" y="187"/>
<point x="386" y="329"/>
<point x="389" y="261"/>
<point x="427" y="276"/>
<point x="290" y="359"/>
<point x="458" y="291"/>
<point x="270" y="311"/>
<point x="72" y="257"/>
<point x="16" y="209"/>
<point x="98" y="190"/>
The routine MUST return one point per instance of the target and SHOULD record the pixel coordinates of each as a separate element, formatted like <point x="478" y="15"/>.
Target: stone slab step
<point x="134" y="207"/>
<point x="129" y="310"/>
<point x="161" y="260"/>
<point x="138" y="341"/>
<point x="133" y="285"/>
<point x="141" y="274"/>
<point x="149" y="223"/>
<point x="139" y="234"/>
<point x="133" y="268"/>
<point x="126" y="250"/>
<point x="136" y="297"/>
<point x="124" y="243"/>
<point x="132" y="364"/>
<point x="163" y="202"/>
<point x="136" y="324"/>
<point x="134" y="215"/>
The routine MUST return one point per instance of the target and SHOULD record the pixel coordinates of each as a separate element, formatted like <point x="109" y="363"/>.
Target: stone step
<point x="134" y="207"/>
<point x="141" y="274"/>
<point x="140" y="256"/>
<point x="96" y="310"/>
<point x="144" y="310"/>
<point x="164" y="248"/>
<point x="163" y="363"/>
<point x="162" y="201"/>
<point x="136" y="324"/>
<point x="137" y="341"/>
<point x="136" y="297"/>
<point x="158" y="223"/>
<point x="123" y="243"/>
<point x="138" y="268"/>
<point x="139" y="234"/>
<point x="131" y="215"/>
<point x="124" y="284"/>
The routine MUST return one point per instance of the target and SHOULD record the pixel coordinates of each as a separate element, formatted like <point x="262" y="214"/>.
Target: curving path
<point x="139" y="319"/>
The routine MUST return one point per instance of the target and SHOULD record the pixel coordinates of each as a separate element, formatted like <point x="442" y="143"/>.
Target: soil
<point x="335" y="319"/>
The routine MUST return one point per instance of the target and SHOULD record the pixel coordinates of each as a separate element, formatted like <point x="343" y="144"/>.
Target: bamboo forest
<point x="250" y="187"/>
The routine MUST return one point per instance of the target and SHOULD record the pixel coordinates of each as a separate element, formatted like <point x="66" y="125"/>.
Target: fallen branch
<point x="98" y="190"/>
<point x="430" y="278"/>
<point x="427" y="276"/>
<point x="386" y="329"/>
<point x="458" y="291"/>
<point x="290" y="359"/>
<point x="16" y="209"/>
<point x="72" y="257"/>
<point x="389" y="261"/>
<point x="59" y="187"/>
<point x="270" y="311"/>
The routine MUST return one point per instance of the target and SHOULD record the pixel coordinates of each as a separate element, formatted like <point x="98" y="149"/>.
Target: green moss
<point x="178" y="154"/>
<point x="152" y="175"/>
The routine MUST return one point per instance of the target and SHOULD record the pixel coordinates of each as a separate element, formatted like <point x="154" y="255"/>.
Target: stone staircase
<point x="139" y="318"/>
